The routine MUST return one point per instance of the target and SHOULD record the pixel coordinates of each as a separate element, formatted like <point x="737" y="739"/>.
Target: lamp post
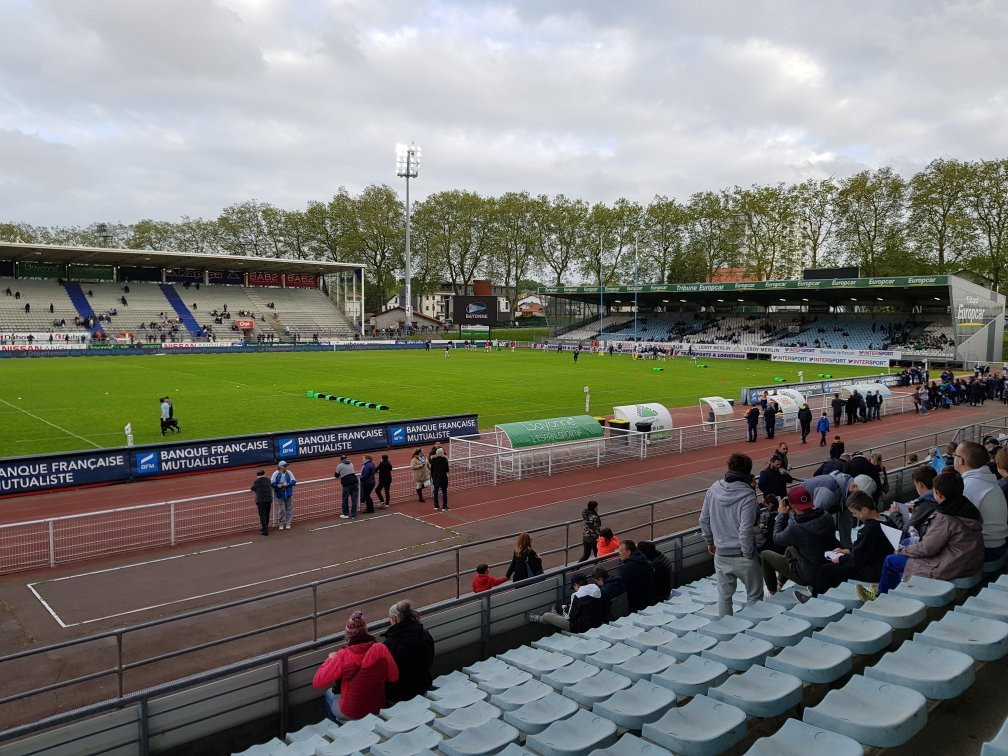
<point x="636" y="269"/>
<point x="407" y="167"/>
<point x="601" y="289"/>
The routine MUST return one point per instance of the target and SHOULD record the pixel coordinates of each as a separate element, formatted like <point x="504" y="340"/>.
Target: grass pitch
<point x="63" y="403"/>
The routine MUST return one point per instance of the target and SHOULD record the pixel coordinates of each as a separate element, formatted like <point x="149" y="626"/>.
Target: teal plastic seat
<point x="1000" y="584"/>
<point x="932" y="593"/>
<point x="965" y="583"/>
<point x="403" y="720"/>
<point x="740" y="652"/>
<point x="872" y="712"/>
<point x="687" y="645"/>
<point x="861" y="635"/>
<point x="520" y="695"/>
<point x="989" y="603"/>
<point x="980" y="638"/>
<point x="681" y="606"/>
<point x="703" y="727"/>
<point x="631" y="745"/>
<point x="617" y="653"/>
<point x="577" y="736"/>
<point x="785" y="598"/>
<point x="692" y="677"/>
<point x="497" y="682"/>
<point x="651" y="639"/>
<point x="417" y="704"/>
<point x="408" y="743"/>
<point x="596" y="688"/>
<point x="487" y="738"/>
<point x="818" y="612"/>
<point x="895" y="610"/>
<point x="688" y="623"/>
<point x="781" y="630"/>
<point x="760" y="692"/>
<point x="452" y="678"/>
<point x="813" y="661"/>
<point x="575" y="646"/>
<point x="797" y="738"/>
<point x="999" y="745"/>
<point x="725" y="628"/>
<point x="648" y="621"/>
<point x="843" y="594"/>
<point x="569" y="674"/>
<point x="457" y="698"/>
<point x="535" y="661"/>
<point x="936" y="673"/>
<point x="614" y="633"/>
<point x="538" y="715"/>
<point x="759" y="612"/>
<point x="712" y="612"/>
<point x="641" y="667"/>
<point x="465" y="719"/>
<point x="353" y="737"/>
<point x="997" y="565"/>
<point x="644" y="701"/>
<point x="485" y="667"/>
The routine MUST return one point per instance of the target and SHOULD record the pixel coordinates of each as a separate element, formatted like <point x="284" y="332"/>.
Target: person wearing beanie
<point x="362" y="668"/>
<point x="283" y="482"/>
<point x="805" y="533"/>
<point x="835" y="463"/>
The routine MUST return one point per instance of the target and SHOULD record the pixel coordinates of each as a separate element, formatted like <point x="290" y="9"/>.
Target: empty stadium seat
<point x="781" y="630"/>
<point x="932" y="593"/>
<point x="575" y="646"/>
<point x="687" y="645"/>
<point x="466" y="718"/>
<point x="739" y="653"/>
<point x="797" y="738"/>
<point x="817" y="612"/>
<point x="760" y="692"/>
<point x="760" y="611"/>
<point x="897" y="611"/>
<point x="577" y="736"/>
<point x="990" y="603"/>
<point x="644" y="701"/>
<point x="693" y="676"/>
<point x="596" y="688"/>
<point x="651" y="639"/>
<point x="631" y="745"/>
<point x="813" y="661"/>
<point x="408" y="743"/>
<point x="488" y="738"/>
<point x="872" y="712"/>
<point x="644" y="665"/>
<point x="725" y="628"/>
<point x="843" y="594"/>
<point x="537" y="715"/>
<point x="511" y="699"/>
<point x="703" y="727"/>
<point x="981" y="638"/>
<point x="861" y="635"/>
<point x="688" y="623"/>
<point x="535" y="661"/>
<point x="617" y="653"/>
<point x="937" y="673"/>
<point x="457" y="698"/>
<point x="569" y="674"/>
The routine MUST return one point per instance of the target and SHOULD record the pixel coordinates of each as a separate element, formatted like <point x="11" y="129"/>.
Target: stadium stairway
<point x="183" y="312"/>
<point x="82" y="305"/>
<point x="827" y="677"/>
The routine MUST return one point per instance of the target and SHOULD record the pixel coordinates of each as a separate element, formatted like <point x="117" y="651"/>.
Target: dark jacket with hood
<point x="638" y="577"/>
<point x="412" y="647"/>
<point x="586" y="608"/>
<point x="614" y="597"/>
<point x="812" y="534"/>
<point x="953" y="545"/>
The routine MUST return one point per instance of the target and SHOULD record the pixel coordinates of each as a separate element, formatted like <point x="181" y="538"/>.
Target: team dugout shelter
<point x="876" y="322"/>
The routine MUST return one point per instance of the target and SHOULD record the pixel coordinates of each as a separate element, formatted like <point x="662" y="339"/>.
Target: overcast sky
<point x="117" y="110"/>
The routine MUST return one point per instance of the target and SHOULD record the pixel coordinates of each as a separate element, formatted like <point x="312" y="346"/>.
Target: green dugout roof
<point x="552" y="430"/>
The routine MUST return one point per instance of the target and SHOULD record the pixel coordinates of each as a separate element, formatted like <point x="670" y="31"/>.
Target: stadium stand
<point x="39" y="294"/>
<point x="305" y="312"/>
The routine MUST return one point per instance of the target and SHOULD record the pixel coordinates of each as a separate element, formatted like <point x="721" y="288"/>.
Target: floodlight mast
<point x="407" y="167"/>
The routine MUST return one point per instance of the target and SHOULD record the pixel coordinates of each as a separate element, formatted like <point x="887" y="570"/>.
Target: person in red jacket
<point x="483" y="580"/>
<point x="362" y="668"/>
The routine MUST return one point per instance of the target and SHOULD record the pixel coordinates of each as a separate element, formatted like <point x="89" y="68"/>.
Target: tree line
<point x="953" y="215"/>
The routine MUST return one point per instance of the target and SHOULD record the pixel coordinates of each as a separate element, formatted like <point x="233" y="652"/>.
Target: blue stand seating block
<point x="525" y="693"/>
<point x="703" y="727"/>
<point x="537" y="716"/>
<point x="408" y="743"/>
<point x="692" y="677"/>
<point x="689" y="644"/>
<point x="465" y="719"/>
<point x="644" y="701"/>
<point x="617" y="653"/>
<point x="725" y="628"/>
<point x="861" y="635"/>
<point x="760" y="692"/>
<point x="597" y="687"/>
<point x="797" y="738"/>
<point x="934" y="594"/>
<point x="651" y="639"/>
<point x="813" y="661"/>
<point x="981" y="638"/>
<point x="631" y="745"/>
<point x="781" y="630"/>
<point x="577" y="736"/>
<point x="935" y="673"/>
<point x="483" y="740"/>
<point x="895" y="610"/>
<point x="872" y="712"/>
<point x="817" y="612"/>
<point x="642" y="667"/>
<point x="740" y="653"/>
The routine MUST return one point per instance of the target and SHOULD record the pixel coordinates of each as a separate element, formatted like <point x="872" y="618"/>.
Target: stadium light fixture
<point x="853" y="299"/>
<point x="407" y="167"/>
<point x="683" y="301"/>
<point x="937" y="299"/>
<point x="741" y="300"/>
<point x="879" y="299"/>
<point x="804" y="299"/>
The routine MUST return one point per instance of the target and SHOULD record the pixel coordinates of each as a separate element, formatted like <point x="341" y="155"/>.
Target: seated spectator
<point x="412" y="649"/>
<point x="662" y="568"/>
<point x="614" y="595"/>
<point x="867" y="555"/>
<point x="607" y="542"/>
<point x="970" y="460"/>
<point x="362" y="667"/>
<point x="804" y="537"/>
<point x="952" y="546"/>
<point x="584" y="612"/>
<point x="921" y="507"/>
<point x="483" y="580"/>
<point x="638" y="577"/>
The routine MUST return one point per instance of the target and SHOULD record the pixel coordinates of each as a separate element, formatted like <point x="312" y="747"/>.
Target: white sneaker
<point x="344" y="517"/>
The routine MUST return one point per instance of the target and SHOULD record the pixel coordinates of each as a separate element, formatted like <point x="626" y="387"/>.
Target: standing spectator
<point x="584" y="612"/>
<point x="876" y="459"/>
<point x="362" y="668"/>
<point x="439" y="477"/>
<point x="878" y="404"/>
<point x="263" y="500"/>
<point x="752" y="421"/>
<point x="727" y="520"/>
<point x="607" y="543"/>
<point x="592" y="524"/>
<point x="870" y="406"/>
<point x="851" y="407"/>
<point x="781" y="453"/>
<point x="834" y="463"/>
<point x="638" y="577"/>
<point x="421" y="472"/>
<point x="838" y="407"/>
<point x="367" y="483"/>
<point x="981" y="488"/>
<point x="283" y="481"/>
<point x="662" y="568"/>
<point x="770" y="418"/>
<point x="774" y="479"/>
<point x="805" y="422"/>
<point x="859" y="464"/>
<point x="822" y="427"/>
<point x="384" y="482"/>
<point x="349" y="486"/>
<point x="525" y="563"/>
<point x="412" y="649"/>
<point x="483" y="580"/>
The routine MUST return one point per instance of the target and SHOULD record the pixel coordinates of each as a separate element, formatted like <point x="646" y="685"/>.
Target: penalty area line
<point x="57" y="427"/>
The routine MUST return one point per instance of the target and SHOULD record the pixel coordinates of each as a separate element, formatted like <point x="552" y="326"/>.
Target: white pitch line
<point x="61" y="623"/>
<point x="57" y="427"/>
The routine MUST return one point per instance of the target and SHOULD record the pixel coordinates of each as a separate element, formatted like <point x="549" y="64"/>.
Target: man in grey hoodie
<point x="727" y="521"/>
<point x="981" y="488"/>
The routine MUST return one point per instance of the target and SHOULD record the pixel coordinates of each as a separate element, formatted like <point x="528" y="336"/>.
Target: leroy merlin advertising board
<point x="655" y="414"/>
<point x="552" y="430"/>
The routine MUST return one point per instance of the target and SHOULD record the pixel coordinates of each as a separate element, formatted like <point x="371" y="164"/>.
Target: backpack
<point x="533" y="564"/>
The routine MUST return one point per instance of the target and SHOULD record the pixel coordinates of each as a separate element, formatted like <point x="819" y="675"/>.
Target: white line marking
<point x="57" y="427"/>
<point x="61" y="623"/>
<point x="144" y="563"/>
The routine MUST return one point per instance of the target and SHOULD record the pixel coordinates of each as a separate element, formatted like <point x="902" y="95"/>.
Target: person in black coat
<point x="384" y="481"/>
<point x="752" y="422"/>
<point x="525" y="563"/>
<point x="851" y="407"/>
<point x="638" y="577"/>
<point x="805" y="421"/>
<point x="263" y="499"/>
<point x="439" y="476"/>
<point x="770" y="418"/>
<point x="774" y="479"/>
<point x="614" y="595"/>
<point x="859" y="464"/>
<point x="838" y="408"/>
<point x="412" y="647"/>
<point x="662" y="567"/>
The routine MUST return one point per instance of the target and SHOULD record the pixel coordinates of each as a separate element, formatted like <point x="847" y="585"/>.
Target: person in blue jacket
<point x="823" y="428"/>
<point x="283" y="482"/>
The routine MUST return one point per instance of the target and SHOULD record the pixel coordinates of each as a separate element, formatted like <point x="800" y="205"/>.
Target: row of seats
<point x="677" y="678"/>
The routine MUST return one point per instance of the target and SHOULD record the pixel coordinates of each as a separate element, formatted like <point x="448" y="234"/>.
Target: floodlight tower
<point x="407" y="167"/>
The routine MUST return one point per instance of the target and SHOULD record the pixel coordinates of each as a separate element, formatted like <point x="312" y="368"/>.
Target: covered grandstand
<point x="904" y="318"/>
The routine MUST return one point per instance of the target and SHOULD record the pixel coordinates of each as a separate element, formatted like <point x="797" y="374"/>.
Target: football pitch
<point x="62" y="403"/>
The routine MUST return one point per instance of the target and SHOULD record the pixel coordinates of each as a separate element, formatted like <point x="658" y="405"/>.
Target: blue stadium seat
<point x="703" y="727"/>
<point x="648" y="621"/>
<point x="466" y="718"/>
<point x="577" y="736"/>
<point x="692" y="676"/>
<point x="797" y="738"/>
<point x="781" y="630"/>
<point x="457" y="698"/>
<point x="353" y="737"/>
<point x="740" y="653"/>
<point x="596" y="688"/>
<point x="614" y="633"/>
<point x="651" y="639"/>
<point x="497" y="682"/>
<point x="483" y="740"/>
<point x="520" y="695"/>
<point x="644" y="701"/>
<point x="641" y="667"/>
<point x="785" y="598"/>
<point x="932" y="593"/>
<point x="617" y="653"/>
<point x="967" y="583"/>
<point x="712" y="612"/>
<point x="681" y="606"/>
<point x="994" y="566"/>
<point x="535" y="661"/>
<point x="687" y="645"/>
<point x="452" y="678"/>
<point x="981" y="638"/>
<point x="408" y="743"/>
<point x="898" y="612"/>
<point x="404" y="716"/>
<point x="725" y="628"/>
<point x="999" y="745"/>
<point x="872" y="712"/>
<point x="936" y="673"/>
<point x="1000" y="584"/>
<point x="575" y="646"/>
<point x="688" y="623"/>
<point x="990" y="603"/>
<point x="537" y="715"/>
<point x="844" y="594"/>
<point x="485" y="667"/>
<point x="631" y="745"/>
<point x="569" y="674"/>
<point x="760" y="611"/>
<point x="861" y="635"/>
<point x="813" y="661"/>
<point x="817" y="612"/>
<point x="760" y="692"/>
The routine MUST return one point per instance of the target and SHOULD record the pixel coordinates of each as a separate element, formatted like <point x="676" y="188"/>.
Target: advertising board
<point x="27" y="474"/>
<point x="475" y="311"/>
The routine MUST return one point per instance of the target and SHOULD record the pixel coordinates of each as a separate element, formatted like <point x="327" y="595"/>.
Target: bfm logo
<point x="146" y="462"/>
<point x="475" y="308"/>
<point x="397" y="434"/>
<point x="287" y="447"/>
